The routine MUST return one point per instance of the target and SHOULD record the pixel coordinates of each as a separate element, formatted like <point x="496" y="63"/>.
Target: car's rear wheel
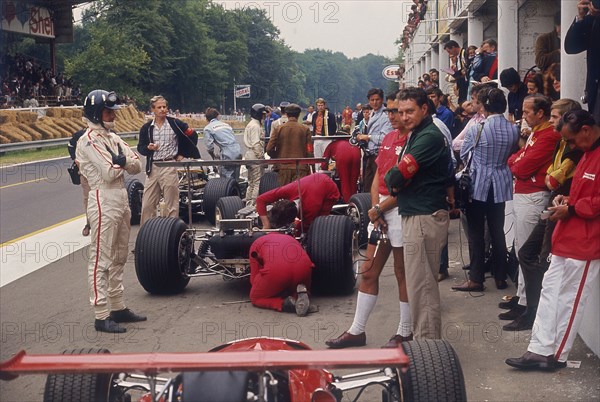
<point x="329" y="245"/>
<point x="162" y="255"/>
<point x="80" y="387"/>
<point x="358" y="208"/>
<point x="434" y="372"/>
<point x="214" y="190"/>
<point x="135" y="191"/>
<point x="227" y="207"/>
<point x="269" y="181"/>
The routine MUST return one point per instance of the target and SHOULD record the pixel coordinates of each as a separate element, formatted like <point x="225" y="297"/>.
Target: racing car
<point x="253" y="369"/>
<point x="199" y="191"/>
<point x="168" y="252"/>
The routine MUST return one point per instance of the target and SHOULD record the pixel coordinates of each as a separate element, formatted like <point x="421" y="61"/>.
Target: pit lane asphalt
<point x="47" y="312"/>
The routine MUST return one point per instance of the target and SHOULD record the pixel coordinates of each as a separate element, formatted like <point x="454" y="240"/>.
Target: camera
<point x="354" y="141"/>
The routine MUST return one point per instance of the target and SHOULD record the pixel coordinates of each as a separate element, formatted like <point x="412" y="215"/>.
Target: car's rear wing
<point x="154" y="363"/>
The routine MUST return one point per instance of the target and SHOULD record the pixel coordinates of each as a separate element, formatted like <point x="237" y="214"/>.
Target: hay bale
<point x="77" y="113"/>
<point x="68" y="113"/>
<point x="4" y="140"/>
<point x="63" y="124"/>
<point x="13" y="135"/>
<point x="7" y="116"/>
<point x="35" y="136"/>
<point x="41" y="129"/>
<point x="27" y="117"/>
<point x="54" y="112"/>
<point x="48" y="125"/>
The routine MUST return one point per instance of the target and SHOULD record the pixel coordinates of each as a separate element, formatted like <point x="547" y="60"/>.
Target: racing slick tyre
<point x="269" y="181"/>
<point x="434" y="372"/>
<point x="329" y="245"/>
<point x="216" y="189"/>
<point x="163" y="251"/>
<point x="358" y="210"/>
<point x="135" y="191"/>
<point x="79" y="387"/>
<point x="227" y="207"/>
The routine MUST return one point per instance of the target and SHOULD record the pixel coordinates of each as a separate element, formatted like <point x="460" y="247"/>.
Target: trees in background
<point x="192" y="52"/>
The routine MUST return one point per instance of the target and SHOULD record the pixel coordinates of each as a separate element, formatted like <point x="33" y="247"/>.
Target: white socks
<point x="405" y="326"/>
<point x="365" y="303"/>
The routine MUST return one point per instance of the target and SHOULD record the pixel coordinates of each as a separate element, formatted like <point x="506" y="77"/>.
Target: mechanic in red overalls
<point x="347" y="163"/>
<point x="280" y="269"/>
<point x="319" y="194"/>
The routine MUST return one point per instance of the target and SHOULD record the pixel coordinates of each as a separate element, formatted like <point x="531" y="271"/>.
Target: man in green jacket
<point x="420" y="180"/>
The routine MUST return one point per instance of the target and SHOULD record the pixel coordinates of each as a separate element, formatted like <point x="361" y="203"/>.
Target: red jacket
<point x="530" y="163"/>
<point x="578" y="236"/>
<point x="319" y="194"/>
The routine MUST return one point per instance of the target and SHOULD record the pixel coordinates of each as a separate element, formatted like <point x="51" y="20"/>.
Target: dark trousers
<point x="477" y="213"/>
<point x="369" y="169"/>
<point x="533" y="257"/>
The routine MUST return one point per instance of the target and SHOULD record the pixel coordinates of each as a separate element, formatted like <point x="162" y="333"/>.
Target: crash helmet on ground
<point x="257" y="111"/>
<point x="96" y="102"/>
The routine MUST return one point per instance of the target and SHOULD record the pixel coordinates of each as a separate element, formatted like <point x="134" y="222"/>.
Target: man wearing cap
<point x="284" y="117"/>
<point x="291" y="140"/>
<point x="103" y="158"/>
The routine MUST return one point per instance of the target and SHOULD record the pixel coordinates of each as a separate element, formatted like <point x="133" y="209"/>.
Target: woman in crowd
<point x="488" y="144"/>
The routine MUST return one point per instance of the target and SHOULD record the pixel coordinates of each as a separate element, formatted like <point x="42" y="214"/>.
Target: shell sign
<point x="391" y="72"/>
<point x="26" y="19"/>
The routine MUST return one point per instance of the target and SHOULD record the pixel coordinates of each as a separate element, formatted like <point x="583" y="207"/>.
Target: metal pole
<point x="234" y="99"/>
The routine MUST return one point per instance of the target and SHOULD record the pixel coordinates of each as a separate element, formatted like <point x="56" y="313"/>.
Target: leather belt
<point x="163" y="160"/>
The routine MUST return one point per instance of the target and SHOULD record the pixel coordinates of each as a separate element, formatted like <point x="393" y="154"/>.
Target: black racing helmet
<point x="257" y="111"/>
<point x="96" y="102"/>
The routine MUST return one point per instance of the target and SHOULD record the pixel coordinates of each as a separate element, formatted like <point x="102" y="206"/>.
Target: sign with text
<point x="242" y="91"/>
<point x="391" y="72"/>
<point x="26" y="19"/>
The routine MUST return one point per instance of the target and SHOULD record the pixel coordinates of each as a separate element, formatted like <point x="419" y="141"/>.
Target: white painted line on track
<point x="28" y="254"/>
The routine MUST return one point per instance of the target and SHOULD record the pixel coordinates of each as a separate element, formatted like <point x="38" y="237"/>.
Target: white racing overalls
<point x="108" y="213"/>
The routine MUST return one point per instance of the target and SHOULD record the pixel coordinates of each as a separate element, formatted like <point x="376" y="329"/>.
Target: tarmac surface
<point x="47" y="312"/>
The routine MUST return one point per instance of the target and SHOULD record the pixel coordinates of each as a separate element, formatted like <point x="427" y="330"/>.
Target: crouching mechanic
<point x="103" y="159"/>
<point x="280" y="269"/>
<point x="317" y="194"/>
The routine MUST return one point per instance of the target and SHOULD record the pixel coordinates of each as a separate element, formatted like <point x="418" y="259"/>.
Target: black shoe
<point x="289" y="305"/>
<point x="347" y="340"/>
<point x="466" y="267"/>
<point x="513" y="313"/>
<point x="522" y="323"/>
<point x="126" y="315"/>
<point x="507" y="305"/>
<point x="533" y="361"/>
<point x="109" y="326"/>
<point x="302" y="300"/>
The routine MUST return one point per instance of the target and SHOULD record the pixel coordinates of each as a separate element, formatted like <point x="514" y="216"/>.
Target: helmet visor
<point x="111" y="101"/>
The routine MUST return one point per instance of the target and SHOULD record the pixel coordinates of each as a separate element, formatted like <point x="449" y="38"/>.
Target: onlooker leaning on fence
<point x="164" y="138"/>
<point x="221" y="134"/>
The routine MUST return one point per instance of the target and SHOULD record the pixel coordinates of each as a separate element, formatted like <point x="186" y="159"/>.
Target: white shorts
<point x="394" y="222"/>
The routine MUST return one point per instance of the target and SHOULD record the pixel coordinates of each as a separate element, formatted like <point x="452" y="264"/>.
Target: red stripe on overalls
<point x="572" y="318"/>
<point x="97" y="245"/>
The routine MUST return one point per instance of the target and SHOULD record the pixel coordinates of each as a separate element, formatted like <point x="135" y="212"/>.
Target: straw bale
<point x="4" y="140"/>
<point x="27" y="117"/>
<point x="13" y="135"/>
<point x="7" y="116"/>
<point x="35" y="135"/>
<point x="54" y="112"/>
<point x="77" y="113"/>
<point x="67" y="113"/>
<point x="63" y="124"/>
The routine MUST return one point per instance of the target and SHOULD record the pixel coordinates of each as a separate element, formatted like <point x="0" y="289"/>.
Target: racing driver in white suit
<point x="103" y="158"/>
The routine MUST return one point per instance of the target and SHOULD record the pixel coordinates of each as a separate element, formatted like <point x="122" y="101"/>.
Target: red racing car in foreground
<point x="255" y="369"/>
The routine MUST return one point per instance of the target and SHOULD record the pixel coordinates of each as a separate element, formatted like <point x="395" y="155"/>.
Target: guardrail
<point x="38" y="145"/>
